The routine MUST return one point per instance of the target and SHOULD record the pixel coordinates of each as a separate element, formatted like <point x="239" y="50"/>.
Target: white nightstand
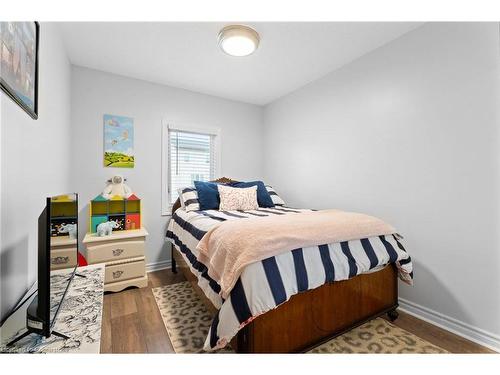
<point x="63" y="253"/>
<point x="123" y="254"/>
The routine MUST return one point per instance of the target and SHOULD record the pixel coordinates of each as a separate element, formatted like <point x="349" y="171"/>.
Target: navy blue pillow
<point x="208" y="195"/>
<point x="263" y="197"/>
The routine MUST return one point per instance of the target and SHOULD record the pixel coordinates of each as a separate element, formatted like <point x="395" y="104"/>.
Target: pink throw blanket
<point x="229" y="247"/>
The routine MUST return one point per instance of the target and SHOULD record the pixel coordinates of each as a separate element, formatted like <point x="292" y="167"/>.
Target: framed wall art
<point x="118" y="141"/>
<point x="19" y="63"/>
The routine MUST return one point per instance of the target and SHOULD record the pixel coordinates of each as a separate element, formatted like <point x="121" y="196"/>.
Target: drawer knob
<point x="117" y="252"/>
<point x="60" y="260"/>
<point x="117" y="274"/>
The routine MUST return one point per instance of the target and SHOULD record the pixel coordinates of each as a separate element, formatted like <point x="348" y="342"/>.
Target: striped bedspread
<point x="266" y="284"/>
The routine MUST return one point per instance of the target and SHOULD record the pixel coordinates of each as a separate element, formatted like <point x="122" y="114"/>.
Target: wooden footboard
<point x="315" y="316"/>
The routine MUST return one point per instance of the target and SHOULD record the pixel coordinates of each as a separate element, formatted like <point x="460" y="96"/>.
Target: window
<point x="189" y="154"/>
<point x="191" y="158"/>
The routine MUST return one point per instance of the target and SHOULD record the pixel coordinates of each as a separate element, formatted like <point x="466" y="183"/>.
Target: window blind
<point x="191" y="157"/>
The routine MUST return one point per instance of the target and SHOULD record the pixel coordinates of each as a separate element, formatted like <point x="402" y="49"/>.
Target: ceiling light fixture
<point x="238" y="40"/>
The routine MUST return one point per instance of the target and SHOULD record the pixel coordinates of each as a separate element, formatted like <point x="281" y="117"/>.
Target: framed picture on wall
<point x="118" y="141"/>
<point x="19" y="63"/>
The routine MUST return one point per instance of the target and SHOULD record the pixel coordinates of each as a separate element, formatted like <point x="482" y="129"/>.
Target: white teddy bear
<point x="116" y="186"/>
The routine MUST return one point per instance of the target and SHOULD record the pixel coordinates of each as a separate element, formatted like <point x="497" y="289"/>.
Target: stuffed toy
<point x="105" y="229"/>
<point x="70" y="229"/>
<point x="116" y="186"/>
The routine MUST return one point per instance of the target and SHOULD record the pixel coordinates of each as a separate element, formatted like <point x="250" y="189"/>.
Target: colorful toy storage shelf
<point x="62" y="209"/>
<point x="126" y="212"/>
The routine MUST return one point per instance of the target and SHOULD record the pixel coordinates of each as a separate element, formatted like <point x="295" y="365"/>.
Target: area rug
<point x="79" y="318"/>
<point x="187" y="321"/>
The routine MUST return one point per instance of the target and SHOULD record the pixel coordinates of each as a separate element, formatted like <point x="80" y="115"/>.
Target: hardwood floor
<point x="132" y="323"/>
<point x="438" y="336"/>
<point x="131" y="320"/>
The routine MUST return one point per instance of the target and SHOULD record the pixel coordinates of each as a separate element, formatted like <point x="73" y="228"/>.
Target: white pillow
<point x="237" y="198"/>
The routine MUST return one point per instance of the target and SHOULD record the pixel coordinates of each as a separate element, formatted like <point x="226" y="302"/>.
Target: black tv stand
<point x="36" y="325"/>
<point x="19" y="338"/>
<point x="29" y="332"/>
<point x="55" y="333"/>
<point x="79" y="275"/>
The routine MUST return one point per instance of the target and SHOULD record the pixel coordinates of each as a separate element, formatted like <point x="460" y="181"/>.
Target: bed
<point x="271" y="308"/>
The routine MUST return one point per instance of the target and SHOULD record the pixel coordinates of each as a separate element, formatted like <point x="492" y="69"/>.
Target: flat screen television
<point x="57" y="263"/>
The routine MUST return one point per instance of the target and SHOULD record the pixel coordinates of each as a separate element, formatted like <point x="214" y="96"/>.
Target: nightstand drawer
<point x="124" y="271"/>
<point x="63" y="258"/>
<point x="115" y="251"/>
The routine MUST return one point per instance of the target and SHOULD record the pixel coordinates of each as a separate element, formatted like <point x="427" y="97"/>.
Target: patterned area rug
<point x="187" y="321"/>
<point x="79" y="317"/>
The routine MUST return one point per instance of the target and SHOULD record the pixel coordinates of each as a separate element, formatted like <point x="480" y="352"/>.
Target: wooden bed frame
<point x="313" y="317"/>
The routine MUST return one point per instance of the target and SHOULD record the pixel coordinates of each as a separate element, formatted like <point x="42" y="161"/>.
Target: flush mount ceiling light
<point x="238" y="40"/>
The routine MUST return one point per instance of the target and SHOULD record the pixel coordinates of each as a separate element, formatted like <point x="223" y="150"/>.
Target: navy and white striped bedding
<point x="268" y="283"/>
<point x="277" y="201"/>
<point x="188" y="198"/>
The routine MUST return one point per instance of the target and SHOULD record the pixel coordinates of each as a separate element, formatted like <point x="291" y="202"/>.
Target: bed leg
<point x="393" y="315"/>
<point x="173" y="262"/>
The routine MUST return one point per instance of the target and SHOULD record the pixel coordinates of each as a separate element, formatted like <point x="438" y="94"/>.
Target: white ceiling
<point x="186" y="55"/>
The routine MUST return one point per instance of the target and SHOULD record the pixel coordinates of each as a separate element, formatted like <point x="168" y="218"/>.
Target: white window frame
<point x="166" y="206"/>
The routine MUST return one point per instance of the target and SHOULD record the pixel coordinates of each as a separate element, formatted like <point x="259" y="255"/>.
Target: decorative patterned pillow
<point x="263" y="197"/>
<point x="189" y="199"/>
<point x="275" y="197"/>
<point x="237" y="198"/>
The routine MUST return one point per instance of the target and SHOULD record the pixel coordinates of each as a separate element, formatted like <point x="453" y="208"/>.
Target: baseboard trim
<point x="477" y="335"/>
<point x="157" y="266"/>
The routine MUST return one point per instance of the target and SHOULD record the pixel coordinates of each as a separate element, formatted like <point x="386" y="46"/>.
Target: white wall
<point x="97" y="93"/>
<point x="408" y="133"/>
<point x="35" y="161"/>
